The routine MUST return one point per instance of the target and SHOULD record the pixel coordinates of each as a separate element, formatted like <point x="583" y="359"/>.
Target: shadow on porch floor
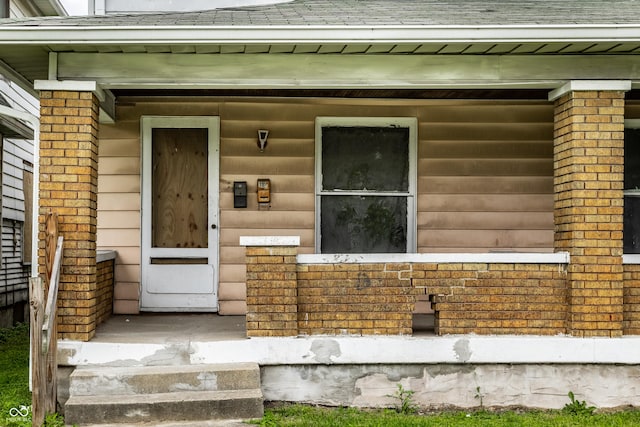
<point x="182" y="327"/>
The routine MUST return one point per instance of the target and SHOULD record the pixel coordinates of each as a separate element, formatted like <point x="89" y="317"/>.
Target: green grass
<point x="14" y="373"/>
<point x="300" y="415"/>
<point x="14" y="379"/>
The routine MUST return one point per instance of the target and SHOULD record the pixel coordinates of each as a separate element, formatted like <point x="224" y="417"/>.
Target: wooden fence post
<point x="44" y="363"/>
<point x="36" y="301"/>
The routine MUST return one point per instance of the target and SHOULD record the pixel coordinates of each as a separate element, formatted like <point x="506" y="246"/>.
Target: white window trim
<point x="631" y="258"/>
<point x="408" y="122"/>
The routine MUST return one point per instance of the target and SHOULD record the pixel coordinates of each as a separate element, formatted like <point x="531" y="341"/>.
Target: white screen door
<point x="180" y="157"/>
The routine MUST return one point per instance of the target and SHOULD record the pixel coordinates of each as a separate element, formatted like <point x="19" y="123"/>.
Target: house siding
<point x="484" y="177"/>
<point x="15" y="268"/>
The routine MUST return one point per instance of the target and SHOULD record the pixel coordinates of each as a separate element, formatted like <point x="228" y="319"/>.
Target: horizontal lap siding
<point x="485" y="176"/>
<point x="119" y="207"/>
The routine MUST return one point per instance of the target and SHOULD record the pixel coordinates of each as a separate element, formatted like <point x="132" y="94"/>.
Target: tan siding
<point x="485" y="177"/>
<point x="119" y="183"/>
<point x="485" y="174"/>
<point x="120" y="147"/>
<point x="119" y="165"/>
<point x="119" y="207"/>
<point x="486" y="184"/>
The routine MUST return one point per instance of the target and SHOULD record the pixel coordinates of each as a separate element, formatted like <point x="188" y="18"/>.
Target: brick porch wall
<point x="378" y="298"/>
<point x="68" y="182"/>
<point x="271" y="291"/>
<point x="104" y="290"/>
<point x="588" y="187"/>
<point x="355" y="299"/>
<point x="496" y="298"/>
<point x="631" y="309"/>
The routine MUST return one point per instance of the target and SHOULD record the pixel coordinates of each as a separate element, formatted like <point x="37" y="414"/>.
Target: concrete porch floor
<point x="157" y="328"/>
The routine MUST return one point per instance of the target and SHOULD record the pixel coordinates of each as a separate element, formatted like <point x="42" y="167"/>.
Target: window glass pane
<point x="365" y="158"/>
<point x="355" y="224"/>
<point x="631" y="225"/>
<point x="632" y="159"/>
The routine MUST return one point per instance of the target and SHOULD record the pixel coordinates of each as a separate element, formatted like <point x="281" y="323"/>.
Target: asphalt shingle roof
<point x="376" y="13"/>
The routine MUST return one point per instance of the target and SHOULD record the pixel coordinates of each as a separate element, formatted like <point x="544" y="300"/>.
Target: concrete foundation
<point x="451" y="385"/>
<point x="448" y="371"/>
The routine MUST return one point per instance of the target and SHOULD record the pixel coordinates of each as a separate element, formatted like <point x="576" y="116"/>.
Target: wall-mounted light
<point x="263" y="134"/>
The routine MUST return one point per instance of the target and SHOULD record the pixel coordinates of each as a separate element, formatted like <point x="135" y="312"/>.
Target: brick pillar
<point x="588" y="205"/>
<point x="272" y="286"/>
<point x="68" y="186"/>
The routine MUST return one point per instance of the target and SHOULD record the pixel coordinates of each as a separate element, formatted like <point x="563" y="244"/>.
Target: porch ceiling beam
<point x="140" y="70"/>
<point x="274" y="34"/>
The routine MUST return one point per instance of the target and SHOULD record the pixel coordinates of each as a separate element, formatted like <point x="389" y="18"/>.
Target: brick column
<point x="272" y="286"/>
<point x="588" y="203"/>
<point x="68" y="186"/>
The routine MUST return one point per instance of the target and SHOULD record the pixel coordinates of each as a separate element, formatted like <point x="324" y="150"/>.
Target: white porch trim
<point x="451" y="349"/>
<point x="70" y="85"/>
<point x="278" y="34"/>
<point x="590" y="85"/>
<point x="269" y="240"/>
<point x="106" y="98"/>
<point x="438" y="258"/>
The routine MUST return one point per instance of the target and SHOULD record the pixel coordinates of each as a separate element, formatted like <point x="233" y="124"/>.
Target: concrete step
<point x="160" y="394"/>
<point x="163" y="407"/>
<point x="163" y="379"/>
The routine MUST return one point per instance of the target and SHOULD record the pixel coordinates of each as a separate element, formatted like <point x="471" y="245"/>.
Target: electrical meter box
<point x="264" y="190"/>
<point x="240" y="194"/>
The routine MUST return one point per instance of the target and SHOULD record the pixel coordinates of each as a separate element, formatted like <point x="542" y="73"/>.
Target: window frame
<point x="411" y="194"/>
<point x="631" y="124"/>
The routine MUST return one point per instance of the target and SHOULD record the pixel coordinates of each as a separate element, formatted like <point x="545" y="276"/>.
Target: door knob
<point x="213" y="226"/>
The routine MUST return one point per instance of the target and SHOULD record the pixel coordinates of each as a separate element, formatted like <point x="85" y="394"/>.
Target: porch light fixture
<point x="263" y="134"/>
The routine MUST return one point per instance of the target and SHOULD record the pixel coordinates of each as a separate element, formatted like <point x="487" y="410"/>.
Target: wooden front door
<point x="180" y="158"/>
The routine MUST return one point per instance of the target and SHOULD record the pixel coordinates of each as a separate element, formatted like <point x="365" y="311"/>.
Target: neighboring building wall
<point x="17" y="163"/>
<point x="107" y="7"/>
<point x="484" y="177"/>
<point x="15" y="267"/>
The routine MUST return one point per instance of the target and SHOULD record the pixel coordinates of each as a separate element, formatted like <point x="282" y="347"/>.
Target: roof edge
<point x="88" y="34"/>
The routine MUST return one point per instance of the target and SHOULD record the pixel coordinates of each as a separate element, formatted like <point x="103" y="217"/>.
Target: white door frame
<point x="177" y="301"/>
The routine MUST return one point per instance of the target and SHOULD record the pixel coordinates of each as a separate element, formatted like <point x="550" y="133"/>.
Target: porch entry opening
<point x="179" y="214"/>
<point x="365" y="185"/>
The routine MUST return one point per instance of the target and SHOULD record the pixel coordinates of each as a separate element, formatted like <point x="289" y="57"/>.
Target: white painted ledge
<point x="631" y="259"/>
<point x="438" y="258"/>
<point x="337" y="350"/>
<point x="590" y="85"/>
<point x="70" y="85"/>
<point x="269" y="240"/>
<point x="105" y="255"/>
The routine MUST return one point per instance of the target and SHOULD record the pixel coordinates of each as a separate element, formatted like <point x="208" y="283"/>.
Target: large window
<point x="632" y="187"/>
<point x="365" y="185"/>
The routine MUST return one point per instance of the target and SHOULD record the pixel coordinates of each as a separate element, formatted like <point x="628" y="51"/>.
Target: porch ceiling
<point x="32" y="61"/>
